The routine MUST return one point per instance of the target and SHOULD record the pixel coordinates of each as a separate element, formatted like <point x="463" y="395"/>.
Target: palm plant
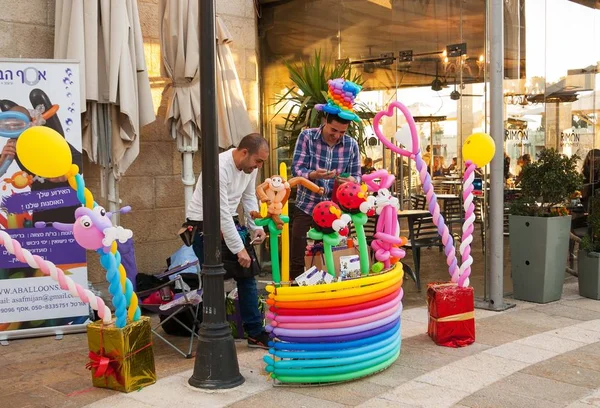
<point x="309" y="89"/>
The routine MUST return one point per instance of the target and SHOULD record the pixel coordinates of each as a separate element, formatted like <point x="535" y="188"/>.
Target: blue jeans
<point x="247" y="291"/>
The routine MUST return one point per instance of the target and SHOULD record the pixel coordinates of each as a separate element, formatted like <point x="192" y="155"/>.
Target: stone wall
<point x="152" y="185"/>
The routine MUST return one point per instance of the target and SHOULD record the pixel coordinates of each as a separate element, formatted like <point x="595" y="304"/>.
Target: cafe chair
<point x="423" y="233"/>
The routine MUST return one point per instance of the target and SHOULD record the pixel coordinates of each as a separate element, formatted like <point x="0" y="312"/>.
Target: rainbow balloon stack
<point x="335" y="332"/>
<point x="346" y="329"/>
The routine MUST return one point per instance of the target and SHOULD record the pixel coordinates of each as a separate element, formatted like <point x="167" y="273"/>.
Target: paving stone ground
<point x="529" y="356"/>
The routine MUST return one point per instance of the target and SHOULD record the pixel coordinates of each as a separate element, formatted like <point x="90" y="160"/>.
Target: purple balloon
<point x="339" y="339"/>
<point x="337" y="331"/>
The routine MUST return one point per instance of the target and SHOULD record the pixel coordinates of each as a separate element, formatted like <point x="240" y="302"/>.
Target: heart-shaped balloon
<point x="411" y="124"/>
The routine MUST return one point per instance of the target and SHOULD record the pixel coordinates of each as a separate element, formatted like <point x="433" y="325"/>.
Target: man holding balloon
<point x="238" y="168"/>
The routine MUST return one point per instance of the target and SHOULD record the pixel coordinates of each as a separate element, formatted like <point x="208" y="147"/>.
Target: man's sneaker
<point x="260" y="341"/>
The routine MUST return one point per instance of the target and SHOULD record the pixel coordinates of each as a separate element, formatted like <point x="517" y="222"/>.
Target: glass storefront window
<point x="553" y="102"/>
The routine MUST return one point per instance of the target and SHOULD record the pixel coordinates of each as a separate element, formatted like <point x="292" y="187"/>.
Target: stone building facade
<point x="152" y="185"/>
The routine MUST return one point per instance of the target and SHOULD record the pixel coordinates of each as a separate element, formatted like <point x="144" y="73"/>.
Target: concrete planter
<point x="588" y="267"/>
<point x="539" y="249"/>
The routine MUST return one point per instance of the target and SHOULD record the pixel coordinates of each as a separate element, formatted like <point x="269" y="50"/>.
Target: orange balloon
<point x="349" y="301"/>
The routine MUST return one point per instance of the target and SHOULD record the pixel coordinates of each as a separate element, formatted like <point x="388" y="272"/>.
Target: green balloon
<point x="338" y="377"/>
<point x="274" y="233"/>
<point x="359" y="220"/>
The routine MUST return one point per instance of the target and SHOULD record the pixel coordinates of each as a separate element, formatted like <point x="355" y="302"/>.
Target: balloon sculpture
<point x="44" y="152"/>
<point x="387" y="243"/>
<point x="330" y="224"/>
<point x="349" y="328"/>
<point x="342" y="330"/>
<point x="274" y="193"/>
<point x="351" y="197"/>
<point x="477" y="152"/>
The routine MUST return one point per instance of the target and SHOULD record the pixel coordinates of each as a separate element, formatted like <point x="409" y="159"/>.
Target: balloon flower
<point x="387" y="240"/>
<point x="44" y="152"/>
<point x="350" y="197"/>
<point x="330" y="224"/>
<point x="478" y="151"/>
<point x="415" y="154"/>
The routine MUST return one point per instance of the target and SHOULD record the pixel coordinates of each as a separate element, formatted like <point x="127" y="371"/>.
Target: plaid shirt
<point x="312" y="152"/>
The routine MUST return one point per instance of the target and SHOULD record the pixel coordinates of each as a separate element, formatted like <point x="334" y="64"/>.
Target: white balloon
<point x="403" y="137"/>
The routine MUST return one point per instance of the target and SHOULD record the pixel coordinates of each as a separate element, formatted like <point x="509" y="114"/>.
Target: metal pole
<point x="216" y="365"/>
<point x="496" y="301"/>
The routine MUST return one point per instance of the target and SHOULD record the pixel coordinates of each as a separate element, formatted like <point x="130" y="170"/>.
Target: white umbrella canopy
<point x="106" y="37"/>
<point x="234" y="122"/>
<point x="180" y="48"/>
<point x="180" y="61"/>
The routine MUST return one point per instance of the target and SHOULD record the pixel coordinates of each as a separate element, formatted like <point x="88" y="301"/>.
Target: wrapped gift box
<point x="451" y="314"/>
<point x="121" y="359"/>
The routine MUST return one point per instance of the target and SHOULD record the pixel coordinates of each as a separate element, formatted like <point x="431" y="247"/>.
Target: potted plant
<point x="309" y="89"/>
<point x="588" y="257"/>
<point x="539" y="227"/>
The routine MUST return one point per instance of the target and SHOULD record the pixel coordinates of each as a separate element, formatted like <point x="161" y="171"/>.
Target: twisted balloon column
<point x="467" y="236"/>
<point x="415" y="154"/>
<point x="109" y="262"/>
<point x="438" y="218"/>
<point x="86" y="198"/>
<point x="49" y="269"/>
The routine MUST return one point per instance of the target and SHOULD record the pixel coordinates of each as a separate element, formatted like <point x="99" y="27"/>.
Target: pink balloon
<point x="337" y="332"/>
<point x="411" y="124"/>
<point x="345" y="323"/>
<point x="89" y="238"/>
<point x="336" y="317"/>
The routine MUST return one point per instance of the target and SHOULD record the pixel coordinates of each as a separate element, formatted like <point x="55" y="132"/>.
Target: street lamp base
<point x="216" y="366"/>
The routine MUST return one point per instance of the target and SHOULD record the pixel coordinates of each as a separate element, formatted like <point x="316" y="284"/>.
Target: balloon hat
<point x="340" y="99"/>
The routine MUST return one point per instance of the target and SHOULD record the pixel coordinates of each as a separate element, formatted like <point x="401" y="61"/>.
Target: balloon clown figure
<point x="45" y="152"/>
<point x="350" y="328"/>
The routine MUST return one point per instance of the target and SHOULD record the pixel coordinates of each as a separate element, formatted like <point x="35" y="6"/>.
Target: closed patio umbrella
<point x="180" y="32"/>
<point x="105" y="36"/>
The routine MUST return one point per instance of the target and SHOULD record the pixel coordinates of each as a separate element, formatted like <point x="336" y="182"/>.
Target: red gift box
<point x="451" y="314"/>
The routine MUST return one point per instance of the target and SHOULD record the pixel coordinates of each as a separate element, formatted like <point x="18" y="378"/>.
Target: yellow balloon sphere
<point x="44" y="152"/>
<point x="479" y="148"/>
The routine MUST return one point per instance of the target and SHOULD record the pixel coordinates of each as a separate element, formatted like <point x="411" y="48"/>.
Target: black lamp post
<point x="216" y="365"/>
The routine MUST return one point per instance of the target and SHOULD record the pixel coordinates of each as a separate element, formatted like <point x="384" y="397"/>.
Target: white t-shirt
<point x="235" y="186"/>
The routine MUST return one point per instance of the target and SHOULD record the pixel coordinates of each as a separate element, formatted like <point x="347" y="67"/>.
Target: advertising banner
<point x="47" y="93"/>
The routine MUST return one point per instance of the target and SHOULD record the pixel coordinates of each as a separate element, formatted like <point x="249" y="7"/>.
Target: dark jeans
<point x="247" y="291"/>
<point x="300" y="226"/>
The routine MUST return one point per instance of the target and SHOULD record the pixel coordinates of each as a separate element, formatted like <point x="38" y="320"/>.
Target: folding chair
<point x="170" y="307"/>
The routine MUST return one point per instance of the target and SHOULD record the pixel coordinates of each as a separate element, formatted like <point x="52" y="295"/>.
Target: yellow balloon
<point x="44" y="152"/>
<point x="479" y="148"/>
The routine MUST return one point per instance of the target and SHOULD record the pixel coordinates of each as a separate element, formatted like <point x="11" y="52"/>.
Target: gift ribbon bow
<point x="101" y="366"/>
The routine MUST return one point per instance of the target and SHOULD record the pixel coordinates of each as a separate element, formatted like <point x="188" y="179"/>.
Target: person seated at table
<point x="522" y="161"/>
<point x="367" y="166"/>
<point x="453" y="166"/>
<point x="438" y="166"/>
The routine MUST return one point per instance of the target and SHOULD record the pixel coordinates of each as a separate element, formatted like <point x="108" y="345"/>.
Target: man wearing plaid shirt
<point x="320" y="155"/>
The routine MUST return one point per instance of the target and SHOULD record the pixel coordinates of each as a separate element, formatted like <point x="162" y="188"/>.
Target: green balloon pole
<point x="359" y="220"/>
<point x="273" y="243"/>
<point x="329" y="241"/>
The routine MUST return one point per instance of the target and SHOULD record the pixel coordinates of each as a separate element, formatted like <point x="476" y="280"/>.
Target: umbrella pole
<point x="216" y="365"/>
